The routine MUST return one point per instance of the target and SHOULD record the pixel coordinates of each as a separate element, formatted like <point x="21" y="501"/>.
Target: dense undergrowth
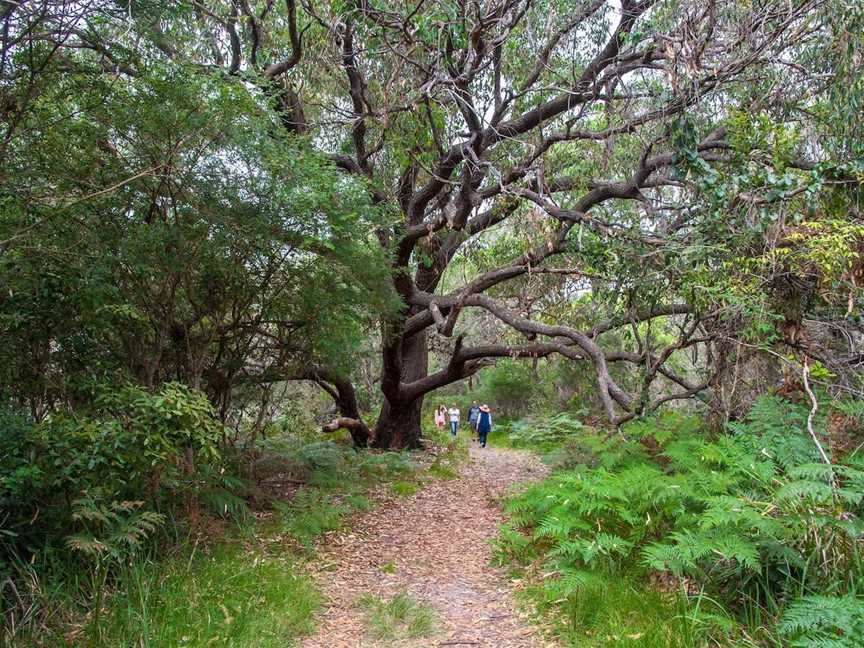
<point x="668" y="535"/>
<point x="144" y="543"/>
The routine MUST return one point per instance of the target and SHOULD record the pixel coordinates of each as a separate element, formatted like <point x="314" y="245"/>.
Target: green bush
<point x="20" y="472"/>
<point x="131" y="444"/>
<point x="543" y="433"/>
<point x="510" y="387"/>
<point x="86" y="492"/>
<point x="747" y="517"/>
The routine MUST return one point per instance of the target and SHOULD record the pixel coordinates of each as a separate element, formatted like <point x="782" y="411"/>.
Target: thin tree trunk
<point x="346" y="403"/>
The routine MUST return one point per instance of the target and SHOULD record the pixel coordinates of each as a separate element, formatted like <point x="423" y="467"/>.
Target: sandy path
<point x="438" y="541"/>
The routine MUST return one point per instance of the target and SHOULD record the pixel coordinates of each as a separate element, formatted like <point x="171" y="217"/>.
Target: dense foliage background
<point x="230" y="229"/>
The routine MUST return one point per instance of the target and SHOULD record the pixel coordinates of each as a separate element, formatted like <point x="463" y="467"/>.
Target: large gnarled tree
<point x="583" y="125"/>
<point x="465" y="116"/>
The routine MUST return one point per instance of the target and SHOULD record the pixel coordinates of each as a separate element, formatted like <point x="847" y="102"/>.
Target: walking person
<point x="484" y="424"/>
<point x="454" y="414"/>
<point x="473" y="415"/>
<point x="440" y="416"/>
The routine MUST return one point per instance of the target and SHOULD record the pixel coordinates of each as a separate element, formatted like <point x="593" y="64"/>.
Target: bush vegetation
<point x="730" y="534"/>
<point x="215" y="214"/>
<point x="124" y="572"/>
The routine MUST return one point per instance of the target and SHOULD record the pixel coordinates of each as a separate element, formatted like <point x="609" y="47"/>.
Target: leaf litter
<point x="434" y="546"/>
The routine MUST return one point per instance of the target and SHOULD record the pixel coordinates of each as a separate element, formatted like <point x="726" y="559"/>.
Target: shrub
<point x="131" y="442"/>
<point x="130" y="445"/>
<point x="510" y="387"/>
<point x="89" y="490"/>
<point x="746" y="516"/>
<point x="544" y="433"/>
<point x="19" y="470"/>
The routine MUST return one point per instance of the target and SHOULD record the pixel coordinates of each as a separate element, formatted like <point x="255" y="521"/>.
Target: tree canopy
<point x="238" y="193"/>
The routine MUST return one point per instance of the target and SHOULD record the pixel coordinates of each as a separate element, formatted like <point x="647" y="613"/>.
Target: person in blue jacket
<point x="484" y="424"/>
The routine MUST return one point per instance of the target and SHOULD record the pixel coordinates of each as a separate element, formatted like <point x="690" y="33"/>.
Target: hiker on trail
<point x="484" y="424"/>
<point x="473" y="414"/>
<point x="454" y="420"/>
<point x="440" y="415"/>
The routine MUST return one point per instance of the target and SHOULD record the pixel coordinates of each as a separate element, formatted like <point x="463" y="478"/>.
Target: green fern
<point x="545" y="432"/>
<point x="823" y="622"/>
<point x="112" y="529"/>
<point x="111" y="532"/>
<point x="749" y="514"/>
<point x="749" y="518"/>
<point x="810" y="491"/>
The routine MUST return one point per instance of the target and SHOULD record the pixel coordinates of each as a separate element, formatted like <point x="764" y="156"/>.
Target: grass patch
<point x="446" y="465"/>
<point x="404" y="488"/>
<point x="443" y="469"/>
<point x="358" y="503"/>
<point x="613" y="611"/>
<point x="401" y="617"/>
<point x="434" y="435"/>
<point x="388" y="567"/>
<point x="230" y="597"/>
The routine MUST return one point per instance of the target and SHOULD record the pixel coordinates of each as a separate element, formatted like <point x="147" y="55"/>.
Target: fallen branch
<point x="343" y="422"/>
<point x="814" y="407"/>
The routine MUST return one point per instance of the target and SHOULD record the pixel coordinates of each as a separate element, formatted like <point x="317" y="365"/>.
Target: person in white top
<point x="453" y="413"/>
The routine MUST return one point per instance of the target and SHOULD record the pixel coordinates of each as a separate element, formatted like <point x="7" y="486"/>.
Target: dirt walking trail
<point x="435" y="543"/>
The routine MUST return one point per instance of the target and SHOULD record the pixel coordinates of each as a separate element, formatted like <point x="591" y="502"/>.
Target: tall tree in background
<point x="653" y="154"/>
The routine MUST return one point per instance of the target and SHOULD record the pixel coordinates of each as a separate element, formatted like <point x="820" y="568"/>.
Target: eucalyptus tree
<point x="595" y="146"/>
<point x="544" y="132"/>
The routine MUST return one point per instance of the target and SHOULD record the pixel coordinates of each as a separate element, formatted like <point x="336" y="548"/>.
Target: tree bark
<point x="398" y="423"/>
<point x="345" y="398"/>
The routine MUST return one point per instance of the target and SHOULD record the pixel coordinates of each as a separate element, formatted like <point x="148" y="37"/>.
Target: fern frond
<point x="816" y="621"/>
<point x="805" y="489"/>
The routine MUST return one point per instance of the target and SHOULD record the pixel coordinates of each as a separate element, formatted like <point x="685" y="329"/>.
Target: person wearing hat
<point x="484" y="424"/>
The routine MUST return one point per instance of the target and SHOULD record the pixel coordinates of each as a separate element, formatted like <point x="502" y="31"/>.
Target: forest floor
<point x="420" y="565"/>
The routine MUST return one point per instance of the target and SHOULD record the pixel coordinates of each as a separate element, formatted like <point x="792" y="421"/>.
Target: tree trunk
<point x="398" y="423"/>
<point x="346" y="402"/>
